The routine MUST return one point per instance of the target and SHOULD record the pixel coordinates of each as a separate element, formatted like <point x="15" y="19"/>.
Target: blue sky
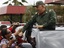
<point x="30" y="2"/>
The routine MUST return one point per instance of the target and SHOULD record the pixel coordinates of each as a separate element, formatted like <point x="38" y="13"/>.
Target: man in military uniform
<point x="45" y="18"/>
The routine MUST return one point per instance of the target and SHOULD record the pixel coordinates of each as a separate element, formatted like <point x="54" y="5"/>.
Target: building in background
<point x="54" y="2"/>
<point x="13" y="11"/>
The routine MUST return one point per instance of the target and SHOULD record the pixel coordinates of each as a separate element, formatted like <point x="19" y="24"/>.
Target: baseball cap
<point x="39" y="3"/>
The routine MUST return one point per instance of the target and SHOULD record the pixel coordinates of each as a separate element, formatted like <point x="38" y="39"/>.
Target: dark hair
<point x="14" y="27"/>
<point x="4" y="32"/>
<point x="3" y="26"/>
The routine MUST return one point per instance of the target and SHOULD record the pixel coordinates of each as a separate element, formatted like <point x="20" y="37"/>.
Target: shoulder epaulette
<point x="50" y="10"/>
<point x="36" y="13"/>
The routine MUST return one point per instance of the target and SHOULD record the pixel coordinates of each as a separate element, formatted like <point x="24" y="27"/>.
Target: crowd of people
<point x="11" y="37"/>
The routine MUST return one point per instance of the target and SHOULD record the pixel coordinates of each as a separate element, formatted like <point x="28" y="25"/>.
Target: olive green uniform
<point x="47" y="19"/>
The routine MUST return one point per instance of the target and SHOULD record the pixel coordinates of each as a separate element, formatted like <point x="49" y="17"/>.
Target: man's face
<point x="39" y="8"/>
<point x="9" y="33"/>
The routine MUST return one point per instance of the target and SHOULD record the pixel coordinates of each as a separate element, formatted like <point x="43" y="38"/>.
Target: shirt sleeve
<point x="29" y="23"/>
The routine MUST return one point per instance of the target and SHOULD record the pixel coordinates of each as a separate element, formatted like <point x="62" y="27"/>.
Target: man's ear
<point x="43" y="6"/>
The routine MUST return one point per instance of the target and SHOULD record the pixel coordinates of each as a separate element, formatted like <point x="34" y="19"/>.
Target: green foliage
<point x="24" y="1"/>
<point x="60" y="12"/>
<point x="4" y="18"/>
<point x="16" y="2"/>
<point x="5" y="2"/>
<point x="58" y="9"/>
<point x="14" y="17"/>
<point x="30" y="11"/>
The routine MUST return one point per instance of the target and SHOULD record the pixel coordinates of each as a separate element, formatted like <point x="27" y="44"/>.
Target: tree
<point x="16" y="2"/>
<point x="30" y="11"/>
<point x="59" y="9"/>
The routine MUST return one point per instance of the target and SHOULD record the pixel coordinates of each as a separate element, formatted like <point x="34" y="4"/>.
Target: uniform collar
<point x="45" y="12"/>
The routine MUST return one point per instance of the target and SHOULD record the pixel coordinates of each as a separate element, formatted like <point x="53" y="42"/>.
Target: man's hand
<point x="10" y="43"/>
<point x="38" y="26"/>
